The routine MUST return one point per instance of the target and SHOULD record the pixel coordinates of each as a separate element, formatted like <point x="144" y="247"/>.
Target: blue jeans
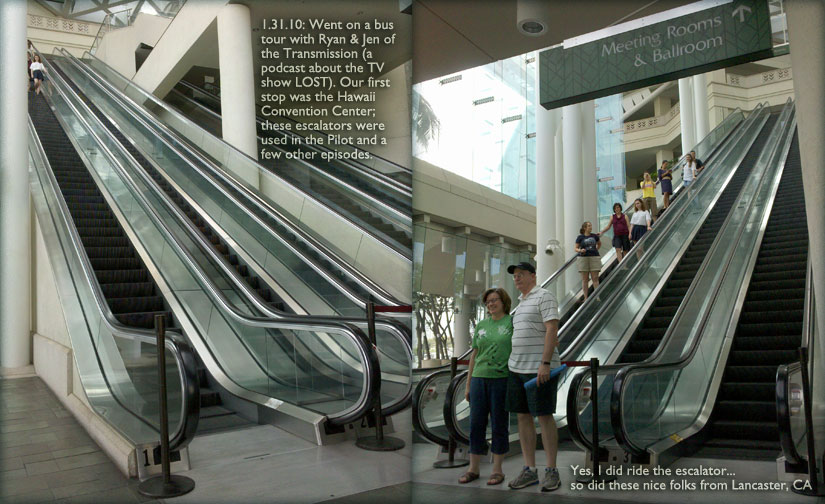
<point x="487" y="396"/>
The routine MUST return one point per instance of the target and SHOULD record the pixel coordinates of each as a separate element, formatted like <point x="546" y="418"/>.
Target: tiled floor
<point x="46" y="456"/>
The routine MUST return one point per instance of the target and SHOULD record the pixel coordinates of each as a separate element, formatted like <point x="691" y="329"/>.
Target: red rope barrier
<point x="396" y="309"/>
<point x="574" y="363"/>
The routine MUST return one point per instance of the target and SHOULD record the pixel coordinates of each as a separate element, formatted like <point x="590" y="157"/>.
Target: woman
<point x="587" y="246"/>
<point x="36" y="70"/>
<point x="640" y="222"/>
<point x="666" y="180"/>
<point x="487" y="386"/>
<point x="689" y="171"/>
<point x="621" y="231"/>
<point x="649" y="195"/>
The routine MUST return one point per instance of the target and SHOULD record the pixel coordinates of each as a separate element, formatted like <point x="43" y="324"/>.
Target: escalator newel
<point x="452" y="444"/>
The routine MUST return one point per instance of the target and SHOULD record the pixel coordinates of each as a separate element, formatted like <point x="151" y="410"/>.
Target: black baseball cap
<point x="526" y="266"/>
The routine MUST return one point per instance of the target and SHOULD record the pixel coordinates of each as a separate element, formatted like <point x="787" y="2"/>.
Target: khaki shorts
<point x="589" y="263"/>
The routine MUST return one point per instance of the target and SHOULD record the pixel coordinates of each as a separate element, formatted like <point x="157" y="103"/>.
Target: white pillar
<point x="686" y="115"/>
<point x="560" y="181"/>
<point x="807" y="39"/>
<point x="546" y="121"/>
<point x="700" y="105"/>
<point x="572" y="140"/>
<point x="663" y="155"/>
<point x="461" y="327"/>
<point x="15" y="215"/>
<point x="590" y="178"/>
<point x="237" y="78"/>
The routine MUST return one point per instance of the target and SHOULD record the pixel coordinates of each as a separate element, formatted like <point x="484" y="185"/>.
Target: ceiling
<point x="454" y="35"/>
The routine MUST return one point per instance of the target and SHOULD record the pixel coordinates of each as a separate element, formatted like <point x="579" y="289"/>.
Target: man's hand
<point x="543" y="376"/>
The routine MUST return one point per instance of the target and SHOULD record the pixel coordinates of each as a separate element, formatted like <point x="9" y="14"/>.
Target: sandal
<point x="468" y="477"/>
<point x="495" y="479"/>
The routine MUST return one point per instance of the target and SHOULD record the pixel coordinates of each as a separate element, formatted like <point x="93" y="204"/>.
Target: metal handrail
<point x="229" y="178"/>
<point x="175" y="343"/>
<point x="623" y="374"/>
<point x="384" y="160"/>
<point x="368" y="353"/>
<point x="257" y="201"/>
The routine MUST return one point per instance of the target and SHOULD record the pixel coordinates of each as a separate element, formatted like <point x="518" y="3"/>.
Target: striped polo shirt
<point x="533" y="310"/>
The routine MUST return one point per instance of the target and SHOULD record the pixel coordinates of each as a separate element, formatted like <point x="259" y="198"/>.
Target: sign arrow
<point x="741" y="11"/>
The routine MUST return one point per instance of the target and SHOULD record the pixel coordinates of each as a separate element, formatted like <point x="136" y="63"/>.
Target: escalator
<point x="641" y="271"/>
<point x="710" y="392"/>
<point x="320" y="373"/>
<point x="646" y="339"/>
<point x="768" y="333"/>
<point x="377" y="205"/>
<point x="329" y="294"/>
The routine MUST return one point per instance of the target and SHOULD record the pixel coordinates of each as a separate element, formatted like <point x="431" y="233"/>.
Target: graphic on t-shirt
<point x="588" y="244"/>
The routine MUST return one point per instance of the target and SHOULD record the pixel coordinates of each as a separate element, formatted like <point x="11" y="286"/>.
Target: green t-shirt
<point x="492" y="339"/>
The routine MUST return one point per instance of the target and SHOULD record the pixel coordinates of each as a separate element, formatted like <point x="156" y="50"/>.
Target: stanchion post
<point x="165" y="485"/>
<point x="451" y="442"/>
<point x="378" y="442"/>
<point x="596" y="476"/>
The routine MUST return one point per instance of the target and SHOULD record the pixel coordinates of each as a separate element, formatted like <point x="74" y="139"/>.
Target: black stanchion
<point x="451" y="461"/>
<point x="597" y="475"/>
<point x="165" y="485"/>
<point x="378" y="442"/>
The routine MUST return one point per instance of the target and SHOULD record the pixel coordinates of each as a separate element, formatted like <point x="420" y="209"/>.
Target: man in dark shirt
<point x="699" y="164"/>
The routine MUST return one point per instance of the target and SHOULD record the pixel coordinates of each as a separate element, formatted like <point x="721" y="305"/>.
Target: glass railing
<point x="270" y="185"/>
<point x="656" y="401"/>
<point x="287" y="365"/>
<point x="309" y="290"/>
<point x="565" y="283"/>
<point x="117" y="365"/>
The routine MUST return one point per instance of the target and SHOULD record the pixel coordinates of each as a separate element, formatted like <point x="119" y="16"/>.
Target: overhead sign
<point x="729" y="34"/>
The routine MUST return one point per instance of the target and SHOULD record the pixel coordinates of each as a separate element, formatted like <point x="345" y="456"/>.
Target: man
<point x="699" y="164"/>
<point x="535" y="352"/>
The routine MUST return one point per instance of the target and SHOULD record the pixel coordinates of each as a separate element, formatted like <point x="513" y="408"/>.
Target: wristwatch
<point x="546" y="362"/>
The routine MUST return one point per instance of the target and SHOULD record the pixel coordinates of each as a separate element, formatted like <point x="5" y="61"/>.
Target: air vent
<point x="448" y="80"/>
<point x="484" y="100"/>
<point x="511" y="119"/>
<point x="530" y="60"/>
<point x="531" y="135"/>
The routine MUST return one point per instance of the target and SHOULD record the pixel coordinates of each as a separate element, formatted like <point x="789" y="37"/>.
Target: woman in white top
<point x="689" y="171"/>
<point x="640" y="222"/>
<point x="36" y="70"/>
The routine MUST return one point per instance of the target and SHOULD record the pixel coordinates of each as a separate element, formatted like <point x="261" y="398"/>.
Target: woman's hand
<point x="467" y="392"/>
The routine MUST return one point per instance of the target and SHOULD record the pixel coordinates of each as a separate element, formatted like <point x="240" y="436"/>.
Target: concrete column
<point x="686" y="115"/>
<point x="700" y="105"/>
<point x="237" y="78"/>
<point x="572" y="187"/>
<point x="546" y="121"/>
<point x="461" y="327"/>
<point x="807" y="39"/>
<point x="15" y="214"/>
<point x="590" y="178"/>
<point x="560" y="181"/>
<point x="662" y="155"/>
<point x="661" y="105"/>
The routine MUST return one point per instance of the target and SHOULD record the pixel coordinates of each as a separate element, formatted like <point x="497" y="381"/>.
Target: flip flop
<point x="495" y="479"/>
<point x="468" y="477"/>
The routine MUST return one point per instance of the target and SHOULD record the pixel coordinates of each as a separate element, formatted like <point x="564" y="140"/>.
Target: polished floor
<point x="434" y="485"/>
<point x="46" y="456"/>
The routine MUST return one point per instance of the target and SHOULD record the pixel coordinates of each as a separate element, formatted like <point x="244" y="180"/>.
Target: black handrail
<point x="419" y="424"/>
<point x="449" y="409"/>
<point x="783" y="417"/>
